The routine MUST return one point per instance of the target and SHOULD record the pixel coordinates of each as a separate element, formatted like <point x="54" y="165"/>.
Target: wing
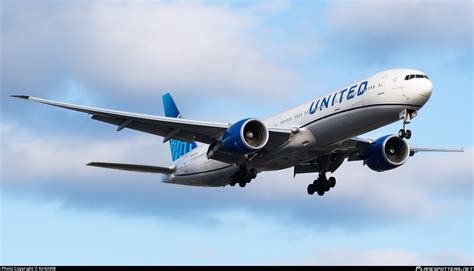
<point x="354" y="149"/>
<point x="414" y="150"/>
<point x="132" y="167"/>
<point x="357" y="147"/>
<point x="176" y="128"/>
<point x="181" y="129"/>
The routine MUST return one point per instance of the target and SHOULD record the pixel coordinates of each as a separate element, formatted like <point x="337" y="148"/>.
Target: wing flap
<point x="278" y="136"/>
<point x="133" y="167"/>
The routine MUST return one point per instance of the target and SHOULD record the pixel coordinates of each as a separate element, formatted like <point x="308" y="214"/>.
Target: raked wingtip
<point x="24" y="97"/>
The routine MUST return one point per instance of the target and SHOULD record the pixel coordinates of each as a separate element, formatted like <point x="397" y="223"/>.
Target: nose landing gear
<point x="404" y="133"/>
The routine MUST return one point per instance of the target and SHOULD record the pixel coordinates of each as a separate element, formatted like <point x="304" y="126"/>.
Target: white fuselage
<point x="322" y="124"/>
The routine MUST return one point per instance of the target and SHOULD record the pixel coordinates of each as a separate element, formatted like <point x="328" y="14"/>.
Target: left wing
<point x="354" y="149"/>
<point x="414" y="150"/>
<point x="358" y="146"/>
<point x="176" y="128"/>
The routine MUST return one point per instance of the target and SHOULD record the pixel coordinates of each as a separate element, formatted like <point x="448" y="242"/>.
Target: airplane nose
<point x="423" y="91"/>
<point x="426" y="88"/>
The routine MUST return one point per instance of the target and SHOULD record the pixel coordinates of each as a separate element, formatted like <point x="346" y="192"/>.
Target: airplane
<point x="315" y="137"/>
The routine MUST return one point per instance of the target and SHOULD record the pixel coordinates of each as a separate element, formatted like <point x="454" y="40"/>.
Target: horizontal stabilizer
<point x="132" y="167"/>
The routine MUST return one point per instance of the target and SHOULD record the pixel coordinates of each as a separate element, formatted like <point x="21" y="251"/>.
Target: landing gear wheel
<point x="402" y="133"/>
<point x="232" y="181"/>
<point x="408" y="134"/>
<point x="253" y="173"/>
<point x="332" y="182"/>
<point x="248" y="179"/>
<point x="321" y="192"/>
<point x="323" y="184"/>
<point x="242" y="183"/>
<point x="326" y="186"/>
<point x="310" y="189"/>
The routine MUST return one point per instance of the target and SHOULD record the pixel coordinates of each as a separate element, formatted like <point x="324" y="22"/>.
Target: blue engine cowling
<point x="245" y="136"/>
<point x="387" y="152"/>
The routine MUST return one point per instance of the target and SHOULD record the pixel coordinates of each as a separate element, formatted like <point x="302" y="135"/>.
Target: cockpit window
<point x="411" y="76"/>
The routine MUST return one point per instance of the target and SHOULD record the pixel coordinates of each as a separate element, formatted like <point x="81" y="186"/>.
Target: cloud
<point x="52" y="167"/>
<point x="40" y="157"/>
<point x="120" y="49"/>
<point x="374" y="29"/>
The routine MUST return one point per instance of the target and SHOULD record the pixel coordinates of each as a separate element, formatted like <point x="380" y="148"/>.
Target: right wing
<point x="132" y="167"/>
<point x="181" y="129"/>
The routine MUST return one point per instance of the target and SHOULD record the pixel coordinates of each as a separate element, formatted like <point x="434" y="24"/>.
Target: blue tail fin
<point x="178" y="148"/>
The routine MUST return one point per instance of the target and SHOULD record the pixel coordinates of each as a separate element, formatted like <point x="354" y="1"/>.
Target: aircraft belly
<point x="289" y="160"/>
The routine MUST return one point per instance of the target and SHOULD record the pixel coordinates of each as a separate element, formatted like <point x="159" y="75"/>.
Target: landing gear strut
<point x="404" y="133"/>
<point x="321" y="184"/>
<point x="243" y="176"/>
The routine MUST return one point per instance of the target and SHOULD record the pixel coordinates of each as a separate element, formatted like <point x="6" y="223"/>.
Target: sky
<point x="224" y="61"/>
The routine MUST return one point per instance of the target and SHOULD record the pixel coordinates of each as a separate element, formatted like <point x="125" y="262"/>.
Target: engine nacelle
<point x="245" y="136"/>
<point x="387" y="153"/>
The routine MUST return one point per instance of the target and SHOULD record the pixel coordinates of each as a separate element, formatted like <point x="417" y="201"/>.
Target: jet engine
<point x="245" y="136"/>
<point x="387" y="153"/>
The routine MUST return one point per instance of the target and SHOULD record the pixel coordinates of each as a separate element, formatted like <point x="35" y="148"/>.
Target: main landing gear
<point x="243" y="176"/>
<point x="404" y="133"/>
<point x="321" y="184"/>
<point x="324" y="164"/>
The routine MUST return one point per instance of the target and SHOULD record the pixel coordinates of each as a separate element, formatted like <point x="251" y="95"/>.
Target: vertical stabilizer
<point x="178" y="148"/>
